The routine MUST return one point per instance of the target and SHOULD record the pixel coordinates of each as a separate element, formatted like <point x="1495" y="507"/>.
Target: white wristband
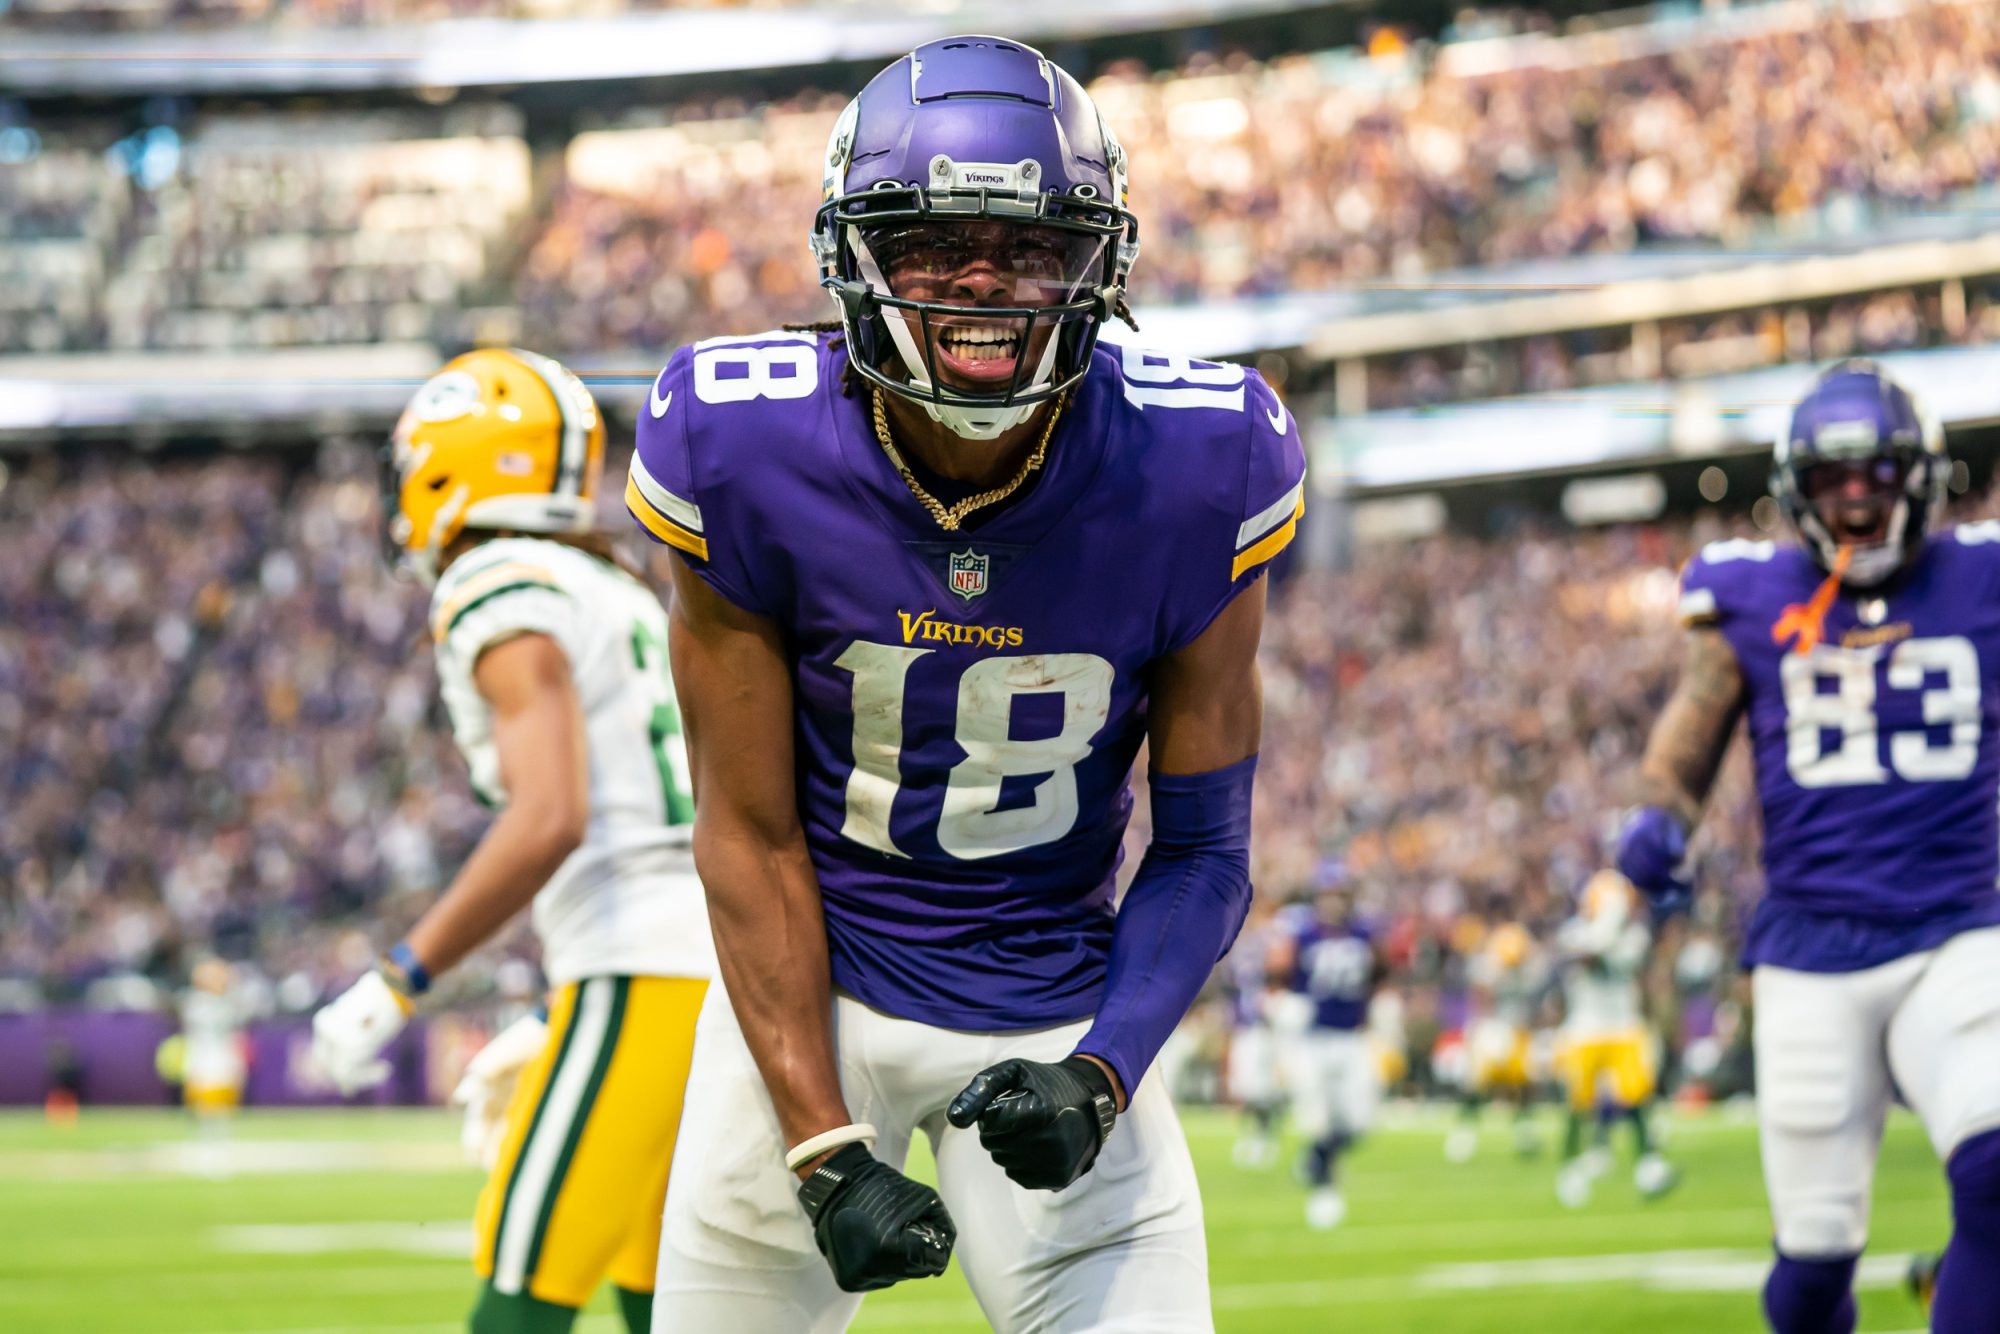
<point x="807" y="1150"/>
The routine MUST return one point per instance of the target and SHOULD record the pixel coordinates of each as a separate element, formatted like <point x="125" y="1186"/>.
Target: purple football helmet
<point x="974" y="231"/>
<point x="1861" y="467"/>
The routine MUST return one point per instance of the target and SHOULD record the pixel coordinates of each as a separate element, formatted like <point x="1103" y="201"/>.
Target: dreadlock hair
<point x="839" y="331"/>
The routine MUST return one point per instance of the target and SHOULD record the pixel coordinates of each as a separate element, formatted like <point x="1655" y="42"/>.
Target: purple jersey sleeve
<point x="692" y="482"/>
<point x="1274" y="488"/>
<point x="1711" y="583"/>
<point x="1258" y="465"/>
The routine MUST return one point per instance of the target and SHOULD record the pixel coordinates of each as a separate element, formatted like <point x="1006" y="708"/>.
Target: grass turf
<point x="357" y="1221"/>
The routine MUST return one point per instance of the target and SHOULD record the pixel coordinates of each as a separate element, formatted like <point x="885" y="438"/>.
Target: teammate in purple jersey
<point x="1328" y="960"/>
<point x="1866" y="659"/>
<point x="944" y="571"/>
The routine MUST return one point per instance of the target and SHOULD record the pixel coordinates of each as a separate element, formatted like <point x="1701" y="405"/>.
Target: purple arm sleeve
<point x="1179" y="917"/>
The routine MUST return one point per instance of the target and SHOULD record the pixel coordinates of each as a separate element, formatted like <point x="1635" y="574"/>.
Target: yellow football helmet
<point x="1608" y="896"/>
<point x="212" y="975"/>
<point x="1509" y="945"/>
<point x="499" y="438"/>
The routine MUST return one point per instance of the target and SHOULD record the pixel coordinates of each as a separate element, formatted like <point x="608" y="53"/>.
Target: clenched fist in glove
<point x="874" y="1225"/>
<point x="1653" y="855"/>
<point x="1042" y="1123"/>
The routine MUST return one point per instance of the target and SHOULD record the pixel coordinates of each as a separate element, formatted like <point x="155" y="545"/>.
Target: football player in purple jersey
<point x="944" y="569"/>
<point x="1865" y="659"/>
<point x="1328" y="960"/>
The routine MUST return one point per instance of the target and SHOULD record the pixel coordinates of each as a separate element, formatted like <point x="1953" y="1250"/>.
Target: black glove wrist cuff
<point x="819" y="1188"/>
<point x="1102" y="1094"/>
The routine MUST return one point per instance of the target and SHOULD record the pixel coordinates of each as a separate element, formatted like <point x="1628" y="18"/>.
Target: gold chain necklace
<point x="950" y="517"/>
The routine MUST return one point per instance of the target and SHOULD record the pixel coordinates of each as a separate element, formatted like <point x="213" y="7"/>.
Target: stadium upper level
<point x="137" y="47"/>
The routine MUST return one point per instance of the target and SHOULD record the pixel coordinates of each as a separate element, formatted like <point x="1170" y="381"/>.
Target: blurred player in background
<point x="1253" y="1069"/>
<point x="552" y="662"/>
<point x="1865" y="658"/>
<point x="1608" y="1055"/>
<point x="1329" y="961"/>
<point x="942" y="574"/>
<point x="1389" y="1036"/>
<point x="213" y="1065"/>
<point x="1508" y="977"/>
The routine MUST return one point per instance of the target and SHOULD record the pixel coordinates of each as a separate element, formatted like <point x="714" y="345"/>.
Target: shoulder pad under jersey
<point x="716" y="428"/>
<point x="1224" y="464"/>
<point x="502" y="587"/>
<point x="1711" y="582"/>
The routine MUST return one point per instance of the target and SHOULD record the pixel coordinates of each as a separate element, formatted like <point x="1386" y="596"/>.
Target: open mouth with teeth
<point x="979" y="355"/>
<point x="1856" y="500"/>
<point x="1862" y="522"/>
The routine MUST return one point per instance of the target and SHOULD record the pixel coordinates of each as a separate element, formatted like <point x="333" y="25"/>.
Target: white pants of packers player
<point x="1120" y="1251"/>
<point x="1334" y="1081"/>
<point x="1833" y="1049"/>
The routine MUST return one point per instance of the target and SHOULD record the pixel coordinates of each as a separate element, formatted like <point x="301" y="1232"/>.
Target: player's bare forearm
<point x="735" y="691"/>
<point x="539" y="731"/>
<point x="1207" y="703"/>
<point x="1685" y="751"/>
<point x="1206" y="714"/>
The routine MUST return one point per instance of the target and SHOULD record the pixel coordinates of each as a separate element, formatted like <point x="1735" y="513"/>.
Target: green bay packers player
<point x="1608" y="1053"/>
<point x="1508" y="977"/>
<point x="553" y="665"/>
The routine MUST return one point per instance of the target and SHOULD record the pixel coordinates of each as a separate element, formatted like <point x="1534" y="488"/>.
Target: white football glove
<point x="350" y="1031"/>
<point x="488" y="1086"/>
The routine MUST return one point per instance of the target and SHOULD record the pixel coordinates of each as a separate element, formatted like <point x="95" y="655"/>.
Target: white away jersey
<point x="1601" y="979"/>
<point x="627" y="900"/>
<point x="212" y="1027"/>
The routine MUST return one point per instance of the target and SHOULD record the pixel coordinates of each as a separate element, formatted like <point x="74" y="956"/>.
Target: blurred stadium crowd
<point x="147" y="15"/>
<point x="218" y="729"/>
<point x="1301" y="173"/>
<point x="263" y="772"/>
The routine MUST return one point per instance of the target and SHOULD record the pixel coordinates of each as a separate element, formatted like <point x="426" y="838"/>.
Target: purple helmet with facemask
<point x="974" y="231"/>
<point x="1861" y="467"/>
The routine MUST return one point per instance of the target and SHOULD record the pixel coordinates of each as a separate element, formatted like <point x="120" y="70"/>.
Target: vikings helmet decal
<point x="974" y="233"/>
<point x="1861" y="469"/>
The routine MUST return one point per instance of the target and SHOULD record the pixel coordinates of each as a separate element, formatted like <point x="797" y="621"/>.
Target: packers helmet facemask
<point x="498" y="439"/>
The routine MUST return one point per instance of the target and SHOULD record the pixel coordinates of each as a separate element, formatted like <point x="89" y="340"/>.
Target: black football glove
<point x="1042" y="1123"/>
<point x="874" y="1225"/>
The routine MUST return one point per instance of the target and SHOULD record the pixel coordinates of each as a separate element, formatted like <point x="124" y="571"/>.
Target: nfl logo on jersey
<point x="968" y="573"/>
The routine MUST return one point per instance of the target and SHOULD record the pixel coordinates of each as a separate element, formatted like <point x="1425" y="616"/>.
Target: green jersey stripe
<point x="621" y="992"/>
<point x="558" y="1120"/>
<point x="501" y="591"/>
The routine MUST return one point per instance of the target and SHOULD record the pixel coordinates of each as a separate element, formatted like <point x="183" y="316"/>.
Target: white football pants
<point x="1253" y="1065"/>
<point x="1120" y="1251"/>
<point x="1833" y="1049"/>
<point x="1334" y="1081"/>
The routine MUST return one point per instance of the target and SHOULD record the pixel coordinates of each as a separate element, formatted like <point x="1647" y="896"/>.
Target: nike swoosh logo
<point x="658" y="404"/>
<point x="1278" y="419"/>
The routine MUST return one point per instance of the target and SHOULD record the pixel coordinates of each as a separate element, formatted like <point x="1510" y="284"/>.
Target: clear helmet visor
<point x="984" y="263"/>
<point x="976" y="305"/>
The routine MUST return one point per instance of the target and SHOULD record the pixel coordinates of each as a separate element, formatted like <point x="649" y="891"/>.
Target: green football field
<point x="309" y="1223"/>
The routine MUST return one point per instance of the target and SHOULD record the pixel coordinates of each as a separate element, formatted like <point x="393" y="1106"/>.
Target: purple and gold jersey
<point x="1334" y="968"/>
<point x="968" y="704"/>
<point x="1874" y="719"/>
